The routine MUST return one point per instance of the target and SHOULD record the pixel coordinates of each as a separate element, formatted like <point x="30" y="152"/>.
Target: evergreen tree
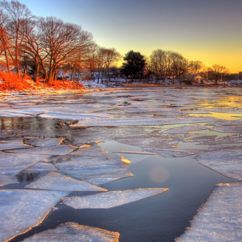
<point x="134" y="65"/>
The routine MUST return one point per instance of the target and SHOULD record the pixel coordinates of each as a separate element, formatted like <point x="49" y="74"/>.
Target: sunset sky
<point x="208" y="30"/>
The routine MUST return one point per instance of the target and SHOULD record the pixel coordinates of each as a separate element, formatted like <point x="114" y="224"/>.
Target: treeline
<point x="41" y="47"/>
<point x="168" y="65"/>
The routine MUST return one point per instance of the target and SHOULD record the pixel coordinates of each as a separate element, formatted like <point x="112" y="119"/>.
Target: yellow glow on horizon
<point x="231" y="58"/>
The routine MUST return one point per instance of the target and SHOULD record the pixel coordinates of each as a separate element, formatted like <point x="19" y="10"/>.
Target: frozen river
<point x="131" y="165"/>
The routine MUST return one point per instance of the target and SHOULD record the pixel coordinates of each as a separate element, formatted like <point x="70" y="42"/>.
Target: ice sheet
<point x="112" y="199"/>
<point x="73" y="232"/>
<point x="220" y="219"/>
<point x="57" y="182"/>
<point x="20" y="210"/>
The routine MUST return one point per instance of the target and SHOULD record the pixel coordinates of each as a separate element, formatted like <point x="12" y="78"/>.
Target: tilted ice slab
<point x="96" y="174"/>
<point x="112" y="199"/>
<point x="106" y="178"/>
<point x="57" y="182"/>
<point x="227" y="162"/>
<point x="220" y="219"/>
<point x="73" y="232"/>
<point x="20" y="210"/>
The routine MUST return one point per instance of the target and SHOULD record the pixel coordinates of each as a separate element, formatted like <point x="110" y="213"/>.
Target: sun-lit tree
<point x="17" y="17"/>
<point x="168" y="64"/>
<point x="217" y="72"/>
<point x="61" y="42"/>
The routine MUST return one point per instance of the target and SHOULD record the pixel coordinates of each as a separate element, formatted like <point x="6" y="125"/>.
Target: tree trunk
<point x="7" y="61"/>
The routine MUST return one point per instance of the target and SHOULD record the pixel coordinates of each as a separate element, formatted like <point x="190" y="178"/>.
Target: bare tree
<point x="158" y="64"/>
<point x="168" y="64"/>
<point x="32" y="47"/>
<point x="179" y="65"/>
<point x="104" y="58"/>
<point x="18" y="14"/>
<point x="4" y="40"/>
<point x="194" y="69"/>
<point x="109" y="57"/>
<point x="61" y="42"/>
<point x="217" y="72"/>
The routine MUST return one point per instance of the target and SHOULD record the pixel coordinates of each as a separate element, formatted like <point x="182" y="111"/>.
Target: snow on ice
<point x="73" y="232"/>
<point x="22" y="209"/>
<point x="112" y="199"/>
<point x="220" y="219"/>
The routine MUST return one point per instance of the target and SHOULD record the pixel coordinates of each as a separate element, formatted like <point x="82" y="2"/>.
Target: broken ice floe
<point x="91" y="168"/>
<point x="20" y="210"/>
<point x="12" y="144"/>
<point x="112" y="199"/>
<point x="90" y="150"/>
<point x="106" y="178"/>
<point x="12" y="164"/>
<point x="50" y="150"/>
<point x="57" y="182"/>
<point x="227" y="162"/>
<point x="117" y="122"/>
<point x="7" y="179"/>
<point x="40" y="168"/>
<point x="73" y="232"/>
<point x="66" y="115"/>
<point x="105" y="172"/>
<point x="220" y="219"/>
<point x="43" y="142"/>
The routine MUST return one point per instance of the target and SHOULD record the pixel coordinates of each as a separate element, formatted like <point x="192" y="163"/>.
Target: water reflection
<point x="33" y="126"/>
